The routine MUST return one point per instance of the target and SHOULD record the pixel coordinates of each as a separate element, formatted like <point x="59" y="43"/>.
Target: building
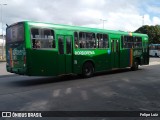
<point x="2" y="48"/>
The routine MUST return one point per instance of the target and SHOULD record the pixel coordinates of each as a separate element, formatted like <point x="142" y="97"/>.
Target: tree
<point x="153" y="32"/>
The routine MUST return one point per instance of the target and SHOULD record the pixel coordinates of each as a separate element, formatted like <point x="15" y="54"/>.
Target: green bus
<point x="45" y="49"/>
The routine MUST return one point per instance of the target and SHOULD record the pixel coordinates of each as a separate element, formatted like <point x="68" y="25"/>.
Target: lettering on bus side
<point x="84" y="53"/>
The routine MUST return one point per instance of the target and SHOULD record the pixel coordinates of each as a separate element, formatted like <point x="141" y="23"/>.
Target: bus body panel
<point x="43" y="62"/>
<point x="65" y="58"/>
<point x="100" y="58"/>
<point x="124" y="58"/>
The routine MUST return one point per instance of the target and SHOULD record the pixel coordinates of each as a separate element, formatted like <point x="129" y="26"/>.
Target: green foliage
<point x="153" y="32"/>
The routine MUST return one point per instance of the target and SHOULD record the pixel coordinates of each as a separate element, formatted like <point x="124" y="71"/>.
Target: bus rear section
<point x="15" y="49"/>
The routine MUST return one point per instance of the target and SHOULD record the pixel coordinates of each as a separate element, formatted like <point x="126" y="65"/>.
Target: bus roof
<point x="78" y="28"/>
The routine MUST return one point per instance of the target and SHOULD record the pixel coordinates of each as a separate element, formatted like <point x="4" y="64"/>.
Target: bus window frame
<point x="124" y="40"/>
<point x="97" y="44"/>
<point x="76" y="45"/>
<point x="86" y="40"/>
<point x="41" y="29"/>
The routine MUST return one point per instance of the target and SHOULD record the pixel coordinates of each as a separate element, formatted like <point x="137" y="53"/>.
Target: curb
<point x="154" y="63"/>
<point x="3" y="76"/>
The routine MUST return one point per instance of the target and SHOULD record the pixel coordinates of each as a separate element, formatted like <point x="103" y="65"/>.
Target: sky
<point x="125" y="15"/>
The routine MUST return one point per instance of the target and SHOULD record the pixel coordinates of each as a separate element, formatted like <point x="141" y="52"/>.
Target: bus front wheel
<point x="88" y="70"/>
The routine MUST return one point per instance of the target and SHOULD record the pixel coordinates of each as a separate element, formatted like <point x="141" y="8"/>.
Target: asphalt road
<point x="119" y="90"/>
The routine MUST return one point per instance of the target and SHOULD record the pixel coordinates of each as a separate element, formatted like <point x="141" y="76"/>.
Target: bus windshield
<point x="15" y="33"/>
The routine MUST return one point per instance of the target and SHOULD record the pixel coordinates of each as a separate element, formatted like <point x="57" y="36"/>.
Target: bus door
<point x="65" y="54"/>
<point x="115" y="51"/>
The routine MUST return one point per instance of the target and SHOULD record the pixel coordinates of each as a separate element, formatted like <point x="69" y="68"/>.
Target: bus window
<point x="87" y="40"/>
<point x="15" y="33"/>
<point x="130" y="39"/>
<point x="131" y="42"/>
<point x="34" y="36"/>
<point x="128" y="42"/>
<point x="37" y="44"/>
<point x="122" y="42"/>
<point x="90" y="40"/>
<point x="105" y="41"/>
<point x="102" y="40"/>
<point x="138" y="42"/>
<point x="76" y="40"/>
<point x="82" y="39"/>
<point x="42" y="38"/>
<point x="49" y="39"/>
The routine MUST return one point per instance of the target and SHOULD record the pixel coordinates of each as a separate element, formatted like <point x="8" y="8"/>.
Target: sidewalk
<point x="154" y="63"/>
<point x="3" y="69"/>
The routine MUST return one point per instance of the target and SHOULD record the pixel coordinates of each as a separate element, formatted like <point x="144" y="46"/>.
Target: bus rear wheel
<point x="135" y="65"/>
<point x="156" y="55"/>
<point x="88" y="70"/>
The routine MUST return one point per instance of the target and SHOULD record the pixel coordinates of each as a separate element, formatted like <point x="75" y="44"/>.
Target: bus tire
<point x="87" y="70"/>
<point x="135" y="66"/>
<point x="156" y="55"/>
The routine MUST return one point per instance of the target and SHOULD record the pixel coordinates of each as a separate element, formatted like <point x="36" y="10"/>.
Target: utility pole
<point x="142" y="20"/>
<point x="103" y="20"/>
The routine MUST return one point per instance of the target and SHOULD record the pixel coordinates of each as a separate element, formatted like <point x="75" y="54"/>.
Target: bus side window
<point x="122" y="42"/>
<point x="99" y="40"/>
<point x="34" y="36"/>
<point x="128" y="42"/>
<point x="82" y="40"/>
<point x="138" y="42"/>
<point x="76" y="44"/>
<point x="42" y="38"/>
<point x="48" y="39"/>
<point x="94" y="40"/>
<point x="91" y="40"/>
<point x="103" y="41"/>
<point x="87" y="40"/>
<point x="54" y="41"/>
